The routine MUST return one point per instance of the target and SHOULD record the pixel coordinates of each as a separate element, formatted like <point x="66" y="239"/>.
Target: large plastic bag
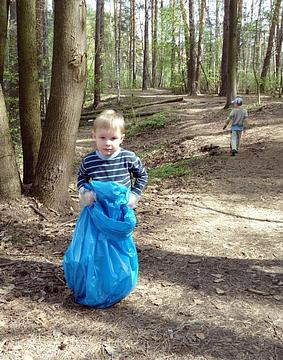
<point x="101" y="263"/>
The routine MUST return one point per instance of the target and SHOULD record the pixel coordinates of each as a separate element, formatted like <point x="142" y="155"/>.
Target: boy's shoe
<point x="233" y="152"/>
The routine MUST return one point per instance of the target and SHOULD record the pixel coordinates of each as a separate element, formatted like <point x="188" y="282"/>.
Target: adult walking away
<point x="238" y="116"/>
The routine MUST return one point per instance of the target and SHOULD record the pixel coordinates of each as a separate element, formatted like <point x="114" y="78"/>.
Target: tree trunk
<point x="192" y="78"/>
<point x="11" y="84"/>
<point x="239" y="30"/>
<point x="117" y="31"/>
<point x="4" y="9"/>
<point x="187" y="42"/>
<point x="145" y="50"/>
<point x="10" y="185"/>
<point x="200" y="44"/>
<point x="173" y="44"/>
<point x="232" y="54"/>
<point x="99" y="32"/>
<point x="256" y="52"/>
<point x="29" y="99"/>
<point x="161" y="48"/>
<point x="268" y="54"/>
<point x="224" y="62"/>
<point x="134" y="76"/>
<point x="64" y="107"/>
<point x="42" y="53"/>
<point x="216" y="75"/>
<point x="278" y="55"/>
<point x="154" y="40"/>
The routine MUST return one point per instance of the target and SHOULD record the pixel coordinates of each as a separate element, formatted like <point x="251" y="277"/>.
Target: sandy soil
<point x="211" y="274"/>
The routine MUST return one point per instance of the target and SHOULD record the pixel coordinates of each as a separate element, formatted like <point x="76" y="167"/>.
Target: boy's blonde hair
<point x="109" y="119"/>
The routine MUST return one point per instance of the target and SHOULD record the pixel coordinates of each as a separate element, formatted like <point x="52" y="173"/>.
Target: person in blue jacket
<point x="110" y="162"/>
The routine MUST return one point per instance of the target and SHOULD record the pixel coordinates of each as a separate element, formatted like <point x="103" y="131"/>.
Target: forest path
<point x="211" y="280"/>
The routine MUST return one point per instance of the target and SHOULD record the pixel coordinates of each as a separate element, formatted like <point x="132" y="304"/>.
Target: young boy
<point x="239" y="124"/>
<point x="110" y="162"/>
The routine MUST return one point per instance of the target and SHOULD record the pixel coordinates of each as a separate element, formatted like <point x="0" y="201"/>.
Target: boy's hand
<point x="133" y="200"/>
<point x="86" y="197"/>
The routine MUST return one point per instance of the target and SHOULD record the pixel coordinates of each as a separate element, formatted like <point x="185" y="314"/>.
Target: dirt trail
<point x="210" y="272"/>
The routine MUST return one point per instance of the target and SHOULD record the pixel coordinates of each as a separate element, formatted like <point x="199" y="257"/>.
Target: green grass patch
<point x="173" y="169"/>
<point x="156" y="121"/>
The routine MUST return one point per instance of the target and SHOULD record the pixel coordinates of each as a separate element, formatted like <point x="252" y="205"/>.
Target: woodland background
<point x="58" y="58"/>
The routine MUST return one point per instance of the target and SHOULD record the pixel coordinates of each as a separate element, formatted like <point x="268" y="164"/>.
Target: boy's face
<point x="107" y="140"/>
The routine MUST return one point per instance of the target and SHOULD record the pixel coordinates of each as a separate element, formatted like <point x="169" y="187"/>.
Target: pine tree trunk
<point x="134" y="77"/>
<point x="10" y="185"/>
<point x="239" y="30"/>
<point x="11" y="85"/>
<point x="224" y="62"/>
<point x="173" y="44"/>
<point x="4" y="9"/>
<point x="192" y="78"/>
<point x="42" y="53"/>
<point x="232" y="54"/>
<point x="130" y="52"/>
<point x="200" y="44"/>
<point x="154" y="40"/>
<point x="217" y="47"/>
<point x="266" y="62"/>
<point x="99" y="30"/>
<point x="64" y="107"/>
<point x="279" y="41"/>
<point x="256" y="55"/>
<point x="187" y="42"/>
<point x="29" y="99"/>
<point x="145" y="50"/>
<point x="161" y="51"/>
<point x="117" y="30"/>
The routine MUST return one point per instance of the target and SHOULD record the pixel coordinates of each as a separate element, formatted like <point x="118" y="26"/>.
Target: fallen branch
<point x="142" y="114"/>
<point x="92" y="114"/>
<point x="37" y="211"/>
<point x="167" y="101"/>
<point x="8" y="263"/>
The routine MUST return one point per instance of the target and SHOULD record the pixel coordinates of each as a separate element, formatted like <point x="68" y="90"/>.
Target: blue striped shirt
<point x="124" y="167"/>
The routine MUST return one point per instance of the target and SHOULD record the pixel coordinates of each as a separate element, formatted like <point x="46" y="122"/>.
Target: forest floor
<point x="211" y="278"/>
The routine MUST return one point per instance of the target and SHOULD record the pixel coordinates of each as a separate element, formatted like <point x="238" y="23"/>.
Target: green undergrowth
<point x="176" y="168"/>
<point x="156" y="121"/>
<point x="172" y="169"/>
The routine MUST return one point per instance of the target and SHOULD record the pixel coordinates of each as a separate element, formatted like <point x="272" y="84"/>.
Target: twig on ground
<point x="37" y="211"/>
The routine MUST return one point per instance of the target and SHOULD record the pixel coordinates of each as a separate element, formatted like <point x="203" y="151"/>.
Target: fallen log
<point x="91" y="114"/>
<point x="167" y="101"/>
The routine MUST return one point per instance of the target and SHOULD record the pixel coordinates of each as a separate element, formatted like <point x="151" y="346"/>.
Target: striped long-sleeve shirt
<point x="123" y="167"/>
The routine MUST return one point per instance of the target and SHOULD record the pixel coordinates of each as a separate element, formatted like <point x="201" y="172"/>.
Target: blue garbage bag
<point x="101" y="263"/>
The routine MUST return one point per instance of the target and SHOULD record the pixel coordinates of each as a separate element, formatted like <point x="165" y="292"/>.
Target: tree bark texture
<point x="64" y="107"/>
<point x="29" y="98"/>
<point x="232" y="54"/>
<point x="134" y="76"/>
<point x="224" y="61"/>
<point x="187" y="41"/>
<point x="10" y="185"/>
<point x="154" y="41"/>
<point x="145" y="49"/>
<point x="278" y="56"/>
<point x="192" y="77"/>
<point x="4" y="9"/>
<point x="42" y="52"/>
<point x="266" y="62"/>
<point x="99" y="31"/>
<point x="200" y="43"/>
